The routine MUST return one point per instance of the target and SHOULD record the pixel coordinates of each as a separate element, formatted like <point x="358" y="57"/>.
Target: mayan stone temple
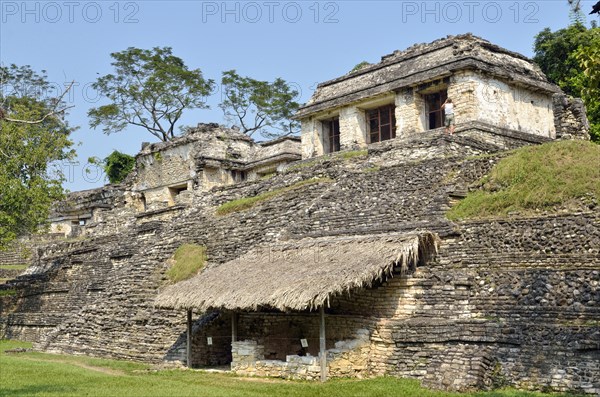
<point x="348" y="265"/>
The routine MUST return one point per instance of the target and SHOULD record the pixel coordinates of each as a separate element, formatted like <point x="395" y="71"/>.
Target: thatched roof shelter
<point x="300" y="275"/>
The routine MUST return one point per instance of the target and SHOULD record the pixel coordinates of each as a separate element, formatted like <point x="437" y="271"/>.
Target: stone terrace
<point x="505" y="302"/>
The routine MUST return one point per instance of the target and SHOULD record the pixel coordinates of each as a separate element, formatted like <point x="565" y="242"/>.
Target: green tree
<point x="259" y="106"/>
<point x="563" y="55"/>
<point x="116" y="166"/>
<point x="149" y="89"/>
<point x="33" y="136"/>
<point x="588" y="82"/>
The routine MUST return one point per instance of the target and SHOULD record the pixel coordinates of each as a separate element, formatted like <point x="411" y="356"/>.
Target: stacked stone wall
<point x="570" y="118"/>
<point x="348" y="358"/>
<point x="506" y="301"/>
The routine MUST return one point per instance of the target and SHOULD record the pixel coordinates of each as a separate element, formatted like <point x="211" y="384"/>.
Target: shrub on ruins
<point x="359" y="66"/>
<point x="259" y="106"/>
<point x="569" y="57"/>
<point x="33" y="136"/>
<point x="117" y="166"/>
<point x="149" y="89"/>
<point x="549" y="177"/>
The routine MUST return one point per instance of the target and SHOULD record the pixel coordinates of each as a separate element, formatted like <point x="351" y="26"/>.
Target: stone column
<point x="353" y="128"/>
<point x="462" y="92"/>
<point x="311" y="139"/>
<point x="406" y="114"/>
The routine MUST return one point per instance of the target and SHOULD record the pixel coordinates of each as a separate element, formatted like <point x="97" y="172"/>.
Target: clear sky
<point x="304" y="42"/>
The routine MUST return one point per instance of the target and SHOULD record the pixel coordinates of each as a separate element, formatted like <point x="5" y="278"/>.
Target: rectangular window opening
<point x="333" y="134"/>
<point x="381" y="123"/>
<point x="434" y="114"/>
<point x="238" y="176"/>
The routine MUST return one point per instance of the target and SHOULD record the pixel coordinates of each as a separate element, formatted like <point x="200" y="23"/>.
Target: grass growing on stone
<point x="7" y="292"/>
<point x="336" y="156"/>
<point x="372" y="169"/>
<point x="536" y="178"/>
<point x="187" y="261"/>
<point x="40" y="374"/>
<point x="268" y="176"/>
<point x="14" y="267"/>
<point x="304" y="165"/>
<point x="348" y="155"/>
<point x="249" y="202"/>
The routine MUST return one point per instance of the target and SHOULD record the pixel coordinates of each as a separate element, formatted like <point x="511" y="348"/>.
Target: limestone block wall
<point x="570" y="118"/>
<point x="353" y="131"/>
<point x="174" y="165"/>
<point x="513" y="107"/>
<point x="350" y="358"/>
<point x="140" y="245"/>
<point x="280" y="333"/>
<point x="94" y="296"/>
<point x="17" y="254"/>
<point x="407" y="113"/>
<point x="215" y="351"/>
<point x="462" y="88"/>
<point x="227" y="146"/>
<point x="312" y="145"/>
<point x="212" y="177"/>
<point x="353" y="128"/>
<point x="266" y="169"/>
<point x="347" y="359"/>
<point x="477" y="98"/>
<point x="276" y="147"/>
<point x="506" y="301"/>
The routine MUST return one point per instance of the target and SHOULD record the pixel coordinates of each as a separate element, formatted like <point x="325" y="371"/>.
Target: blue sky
<point x="304" y="42"/>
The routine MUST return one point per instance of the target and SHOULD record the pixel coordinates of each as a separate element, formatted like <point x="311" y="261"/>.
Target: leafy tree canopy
<point x="149" y="89"/>
<point x="116" y="166"/>
<point x="588" y="83"/>
<point x="569" y="57"/>
<point x="32" y="137"/>
<point x="259" y="106"/>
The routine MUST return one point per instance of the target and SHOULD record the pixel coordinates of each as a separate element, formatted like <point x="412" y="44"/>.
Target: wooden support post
<point x="322" y="353"/>
<point x="189" y="338"/>
<point x="234" y="326"/>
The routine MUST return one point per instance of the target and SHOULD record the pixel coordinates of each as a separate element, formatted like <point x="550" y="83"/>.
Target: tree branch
<point x="53" y="111"/>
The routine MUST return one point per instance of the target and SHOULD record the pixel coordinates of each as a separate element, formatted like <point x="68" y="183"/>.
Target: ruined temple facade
<point x="206" y="156"/>
<point x="360" y="241"/>
<point x="491" y="88"/>
<point x="166" y="174"/>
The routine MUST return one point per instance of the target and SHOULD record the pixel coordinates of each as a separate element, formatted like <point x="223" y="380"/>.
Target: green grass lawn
<point x="40" y="374"/>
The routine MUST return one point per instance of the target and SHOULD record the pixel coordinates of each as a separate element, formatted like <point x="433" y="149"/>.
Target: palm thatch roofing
<point x="300" y="275"/>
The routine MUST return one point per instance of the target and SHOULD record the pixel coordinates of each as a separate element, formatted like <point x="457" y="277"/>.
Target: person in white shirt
<point x="448" y="107"/>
